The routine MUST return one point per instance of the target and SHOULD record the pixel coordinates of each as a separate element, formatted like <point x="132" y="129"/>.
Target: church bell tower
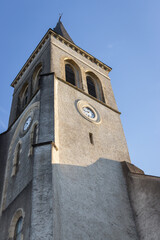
<point x="62" y="175"/>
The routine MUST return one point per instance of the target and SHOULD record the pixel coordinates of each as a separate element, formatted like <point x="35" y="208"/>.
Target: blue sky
<point x="123" y="34"/>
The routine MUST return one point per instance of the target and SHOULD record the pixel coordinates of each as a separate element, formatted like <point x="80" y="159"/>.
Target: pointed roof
<point x="62" y="31"/>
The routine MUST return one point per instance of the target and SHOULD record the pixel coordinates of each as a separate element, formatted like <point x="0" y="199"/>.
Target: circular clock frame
<point x="88" y="111"/>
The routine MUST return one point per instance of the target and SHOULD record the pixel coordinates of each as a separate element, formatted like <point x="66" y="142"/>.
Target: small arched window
<point x="18" y="229"/>
<point x="36" y="78"/>
<point x="91" y="87"/>
<point x="70" y="75"/>
<point x="16" y="160"/>
<point x="16" y="225"/>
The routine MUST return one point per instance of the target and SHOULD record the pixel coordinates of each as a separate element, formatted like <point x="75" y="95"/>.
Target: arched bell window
<point x="18" y="229"/>
<point x="73" y="73"/>
<point x="70" y="74"/>
<point x="91" y="87"/>
<point x="36" y="78"/>
<point x="94" y="86"/>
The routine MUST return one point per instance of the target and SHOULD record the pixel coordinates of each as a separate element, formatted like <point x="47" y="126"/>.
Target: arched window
<point x="16" y="160"/>
<point x="91" y="87"/>
<point x="18" y="229"/>
<point x="70" y="75"/>
<point x="16" y="225"/>
<point x="36" y="78"/>
<point x="94" y="86"/>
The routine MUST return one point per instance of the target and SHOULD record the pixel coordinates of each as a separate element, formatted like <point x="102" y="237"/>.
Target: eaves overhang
<point x="66" y="42"/>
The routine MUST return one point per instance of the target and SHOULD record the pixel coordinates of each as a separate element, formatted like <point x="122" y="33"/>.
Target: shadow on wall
<point x="92" y="202"/>
<point x="144" y="192"/>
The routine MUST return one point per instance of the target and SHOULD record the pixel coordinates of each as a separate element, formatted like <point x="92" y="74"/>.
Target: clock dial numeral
<point x="88" y="112"/>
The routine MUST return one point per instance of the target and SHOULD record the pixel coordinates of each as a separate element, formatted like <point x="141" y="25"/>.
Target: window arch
<point x="73" y="73"/>
<point x="16" y="159"/>
<point x="16" y="226"/>
<point x="36" y="77"/>
<point x="94" y="86"/>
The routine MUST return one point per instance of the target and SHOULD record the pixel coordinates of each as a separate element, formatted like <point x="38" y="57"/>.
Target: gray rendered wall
<point x="42" y="196"/>
<point x="145" y="197"/>
<point x="13" y="185"/>
<point x="18" y="190"/>
<point x="91" y="202"/>
<point x="46" y="118"/>
<point x="42" y="205"/>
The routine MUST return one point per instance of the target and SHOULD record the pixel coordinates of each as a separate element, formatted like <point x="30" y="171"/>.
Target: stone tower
<point x="65" y="169"/>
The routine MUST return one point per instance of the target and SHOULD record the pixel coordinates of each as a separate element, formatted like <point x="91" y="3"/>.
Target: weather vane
<point x="60" y="15"/>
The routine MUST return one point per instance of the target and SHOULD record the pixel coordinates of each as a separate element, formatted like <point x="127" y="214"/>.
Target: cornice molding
<point x="81" y="51"/>
<point x="63" y="40"/>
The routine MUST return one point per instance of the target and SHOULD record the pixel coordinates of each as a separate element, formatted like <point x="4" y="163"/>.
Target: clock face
<point x="88" y="112"/>
<point x="27" y="123"/>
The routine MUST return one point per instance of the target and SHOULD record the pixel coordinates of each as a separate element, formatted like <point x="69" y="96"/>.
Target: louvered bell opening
<point x="91" y="87"/>
<point x="70" y="76"/>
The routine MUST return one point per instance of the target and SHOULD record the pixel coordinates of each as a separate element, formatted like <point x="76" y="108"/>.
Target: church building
<point x="65" y="170"/>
